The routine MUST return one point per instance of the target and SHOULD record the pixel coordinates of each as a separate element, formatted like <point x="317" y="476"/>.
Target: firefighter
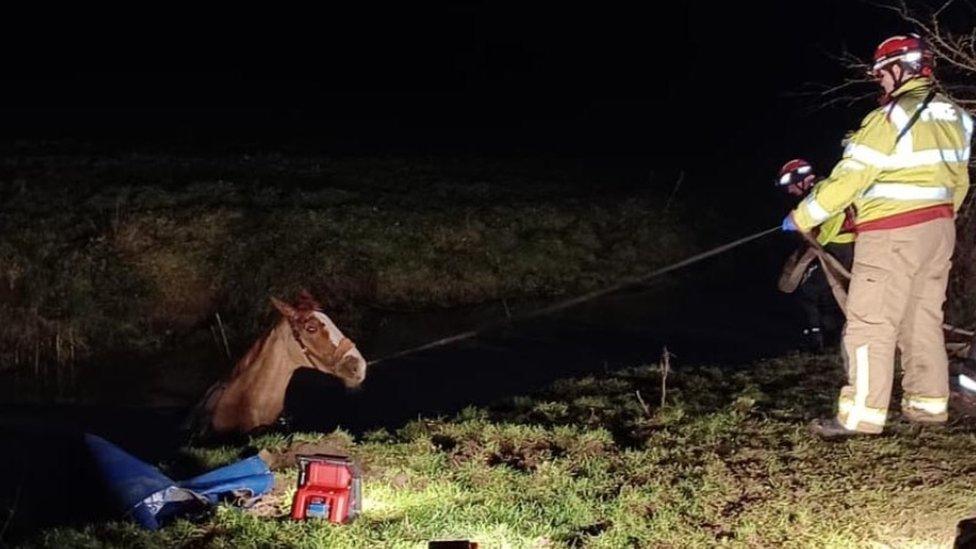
<point x="803" y="275"/>
<point x="905" y="173"/>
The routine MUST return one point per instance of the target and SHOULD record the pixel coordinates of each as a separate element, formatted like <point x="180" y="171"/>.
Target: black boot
<point x="830" y="428"/>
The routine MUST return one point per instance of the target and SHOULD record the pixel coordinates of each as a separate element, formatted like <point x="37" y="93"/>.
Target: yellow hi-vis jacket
<point x="831" y="231"/>
<point x="926" y="168"/>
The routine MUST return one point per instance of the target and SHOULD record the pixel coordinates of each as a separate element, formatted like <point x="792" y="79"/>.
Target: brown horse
<point x="254" y="394"/>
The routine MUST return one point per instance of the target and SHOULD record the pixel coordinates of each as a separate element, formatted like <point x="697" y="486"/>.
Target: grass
<point x="126" y="260"/>
<point x="727" y="461"/>
<point x="133" y="257"/>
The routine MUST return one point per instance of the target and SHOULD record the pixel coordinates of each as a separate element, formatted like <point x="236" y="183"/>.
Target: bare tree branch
<point x="955" y="54"/>
<point x="939" y="11"/>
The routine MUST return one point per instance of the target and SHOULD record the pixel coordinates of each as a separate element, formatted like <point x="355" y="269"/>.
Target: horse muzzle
<point x="352" y="371"/>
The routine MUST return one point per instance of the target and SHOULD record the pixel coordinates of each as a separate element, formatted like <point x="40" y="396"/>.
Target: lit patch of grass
<point x="727" y="460"/>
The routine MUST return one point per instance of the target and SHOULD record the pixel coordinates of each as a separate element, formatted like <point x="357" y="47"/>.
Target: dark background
<point x="705" y="88"/>
<point x="677" y="82"/>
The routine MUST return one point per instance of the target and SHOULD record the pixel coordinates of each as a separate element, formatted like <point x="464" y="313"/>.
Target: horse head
<point x="253" y="396"/>
<point x="323" y="345"/>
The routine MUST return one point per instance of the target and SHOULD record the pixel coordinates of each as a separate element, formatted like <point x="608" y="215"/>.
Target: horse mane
<point x="307" y="303"/>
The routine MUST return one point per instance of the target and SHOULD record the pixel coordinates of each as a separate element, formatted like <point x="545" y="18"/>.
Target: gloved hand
<point x="788" y="225"/>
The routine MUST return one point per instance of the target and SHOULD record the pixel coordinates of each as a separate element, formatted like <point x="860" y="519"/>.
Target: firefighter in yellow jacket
<point x="905" y="173"/>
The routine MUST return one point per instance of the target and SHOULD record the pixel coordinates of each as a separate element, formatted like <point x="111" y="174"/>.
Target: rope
<point x="580" y="299"/>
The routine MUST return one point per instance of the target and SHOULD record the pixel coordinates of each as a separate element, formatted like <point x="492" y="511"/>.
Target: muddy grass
<point x="727" y="460"/>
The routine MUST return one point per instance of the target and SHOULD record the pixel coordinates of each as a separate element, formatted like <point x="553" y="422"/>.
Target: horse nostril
<point x="355" y="372"/>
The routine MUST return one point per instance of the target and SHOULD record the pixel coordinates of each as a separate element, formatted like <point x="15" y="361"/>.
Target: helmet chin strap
<point x="906" y="75"/>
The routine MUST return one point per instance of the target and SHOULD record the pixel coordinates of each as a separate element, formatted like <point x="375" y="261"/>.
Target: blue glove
<point x="788" y="225"/>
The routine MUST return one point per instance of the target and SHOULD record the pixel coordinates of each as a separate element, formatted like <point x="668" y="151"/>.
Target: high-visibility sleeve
<point x="863" y="159"/>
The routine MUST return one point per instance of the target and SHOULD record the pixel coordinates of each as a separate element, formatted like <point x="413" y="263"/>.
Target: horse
<point x="253" y="396"/>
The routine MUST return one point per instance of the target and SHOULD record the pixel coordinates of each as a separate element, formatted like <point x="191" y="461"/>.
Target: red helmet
<point x="795" y="172"/>
<point x="910" y="51"/>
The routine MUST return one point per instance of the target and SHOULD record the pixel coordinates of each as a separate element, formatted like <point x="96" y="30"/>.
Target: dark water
<point x="724" y="310"/>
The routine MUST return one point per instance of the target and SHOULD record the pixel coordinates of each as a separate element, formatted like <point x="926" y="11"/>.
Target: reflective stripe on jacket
<point x="927" y="167"/>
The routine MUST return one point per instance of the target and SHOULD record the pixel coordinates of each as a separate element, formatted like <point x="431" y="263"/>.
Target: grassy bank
<point x="129" y="259"/>
<point x="727" y="460"/>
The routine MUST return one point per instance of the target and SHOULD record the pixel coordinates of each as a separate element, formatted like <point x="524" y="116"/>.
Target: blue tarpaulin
<point x="149" y="497"/>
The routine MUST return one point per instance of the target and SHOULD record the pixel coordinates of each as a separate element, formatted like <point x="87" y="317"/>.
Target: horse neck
<point x="277" y="346"/>
<point x="255" y="393"/>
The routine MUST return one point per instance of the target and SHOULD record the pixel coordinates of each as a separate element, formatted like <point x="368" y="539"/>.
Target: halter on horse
<point x="253" y="396"/>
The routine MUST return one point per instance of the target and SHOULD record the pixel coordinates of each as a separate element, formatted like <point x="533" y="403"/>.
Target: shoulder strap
<point x="916" y="115"/>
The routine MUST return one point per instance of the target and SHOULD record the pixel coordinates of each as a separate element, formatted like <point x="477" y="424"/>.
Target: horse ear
<point x="285" y="309"/>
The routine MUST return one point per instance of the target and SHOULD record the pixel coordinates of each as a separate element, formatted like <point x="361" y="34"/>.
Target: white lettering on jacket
<point x="939" y="111"/>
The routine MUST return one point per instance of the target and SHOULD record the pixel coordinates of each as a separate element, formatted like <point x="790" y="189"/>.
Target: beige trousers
<point x="898" y="287"/>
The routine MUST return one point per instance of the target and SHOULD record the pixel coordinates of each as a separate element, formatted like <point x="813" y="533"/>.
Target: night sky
<point x="683" y="86"/>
